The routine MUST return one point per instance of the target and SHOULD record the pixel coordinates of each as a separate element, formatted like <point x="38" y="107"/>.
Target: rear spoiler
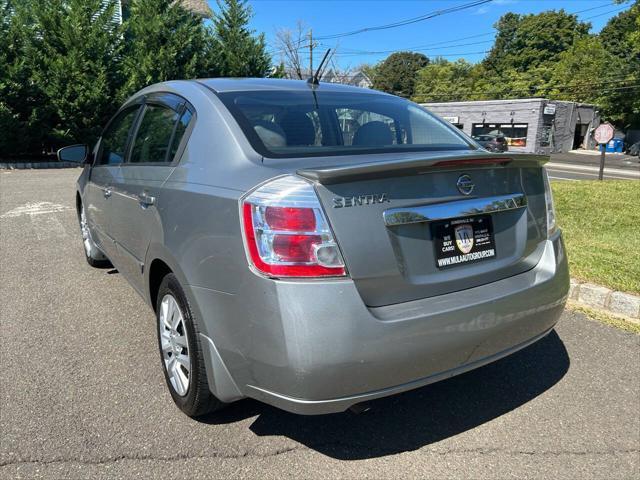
<point x="370" y="170"/>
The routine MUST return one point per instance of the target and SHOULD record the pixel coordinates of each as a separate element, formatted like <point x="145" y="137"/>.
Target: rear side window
<point x="181" y="128"/>
<point x="285" y="124"/>
<point x="155" y="134"/>
<point x="116" y="136"/>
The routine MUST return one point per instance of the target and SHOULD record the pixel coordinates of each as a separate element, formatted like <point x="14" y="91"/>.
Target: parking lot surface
<point x="83" y="396"/>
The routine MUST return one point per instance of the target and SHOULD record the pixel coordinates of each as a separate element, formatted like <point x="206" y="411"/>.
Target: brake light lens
<point x="286" y="231"/>
<point x="551" y="210"/>
<point x="291" y="219"/>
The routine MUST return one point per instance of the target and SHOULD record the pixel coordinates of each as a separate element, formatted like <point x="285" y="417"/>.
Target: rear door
<point x="105" y="173"/>
<point x="138" y="198"/>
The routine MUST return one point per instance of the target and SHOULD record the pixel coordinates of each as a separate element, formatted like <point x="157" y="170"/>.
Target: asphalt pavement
<point x="576" y="166"/>
<point x="82" y="393"/>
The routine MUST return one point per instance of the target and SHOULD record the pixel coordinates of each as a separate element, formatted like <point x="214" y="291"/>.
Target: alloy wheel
<point x="175" y="344"/>
<point x="86" y="234"/>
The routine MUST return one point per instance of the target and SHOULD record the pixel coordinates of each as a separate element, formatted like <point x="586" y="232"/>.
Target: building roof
<point x="199" y="7"/>
<point x="486" y="102"/>
<point x="503" y="102"/>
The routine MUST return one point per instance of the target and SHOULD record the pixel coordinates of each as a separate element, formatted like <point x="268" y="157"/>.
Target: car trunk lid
<point x="388" y="218"/>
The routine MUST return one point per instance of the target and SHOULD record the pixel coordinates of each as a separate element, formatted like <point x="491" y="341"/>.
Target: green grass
<point x="601" y="228"/>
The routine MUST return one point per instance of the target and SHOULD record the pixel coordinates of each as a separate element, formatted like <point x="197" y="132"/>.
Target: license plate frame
<point x="463" y="241"/>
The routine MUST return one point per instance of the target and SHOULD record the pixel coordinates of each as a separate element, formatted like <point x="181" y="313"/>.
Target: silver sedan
<point x="317" y="246"/>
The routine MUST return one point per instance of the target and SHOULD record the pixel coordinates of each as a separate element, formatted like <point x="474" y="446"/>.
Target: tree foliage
<point x="527" y="41"/>
<point x="73" y="48"/>
<point x="162" y="42"/>
<point x="57" y="80"/>
<point x="580" y="70"/>
<point x="397" y="74"/>
<point x="445" y="81"/>
<point x="66" y="66"/>
<point x="550" y="55"/>
<point x="237" y="50"/>
<point x="22" y="111"/>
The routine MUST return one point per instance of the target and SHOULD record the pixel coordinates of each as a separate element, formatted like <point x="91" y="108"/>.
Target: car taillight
<point x="551" y="211"/>
<point x="286" y="231"/>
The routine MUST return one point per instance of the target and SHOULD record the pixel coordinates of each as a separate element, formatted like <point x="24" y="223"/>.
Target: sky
<point x="463" y="34"/>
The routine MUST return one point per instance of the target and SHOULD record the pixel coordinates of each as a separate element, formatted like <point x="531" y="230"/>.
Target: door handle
<point x="107" y="192"/>
<point x="146" y="200"/>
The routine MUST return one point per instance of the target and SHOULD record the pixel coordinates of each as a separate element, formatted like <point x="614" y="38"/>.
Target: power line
<point x="592" y="8"/>
<point x="605" y="13"/>
<point x="408" y="21"/>
<point x="455" y="9"/>
<point x="429" y="47"/>
<point x="412" y="48"/>
<point x="415" y="49"/>
<point x="458" y="54"/>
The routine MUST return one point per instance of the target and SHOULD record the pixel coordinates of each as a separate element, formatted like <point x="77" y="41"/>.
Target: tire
<point x="194" y="398"/>
<point x="92" y="253"/>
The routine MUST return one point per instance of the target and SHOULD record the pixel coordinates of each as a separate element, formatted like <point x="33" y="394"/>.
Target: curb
<point x="603" y="298"/>
<point x="37" y="165"/>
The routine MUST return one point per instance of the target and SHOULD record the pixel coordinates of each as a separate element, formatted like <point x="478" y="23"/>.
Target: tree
<point x="527" y="41"/>
<point x="23" y="107"/>
<point x="582" y="71"/>
<point x="620" y="38"/>
<point x="444" y="81"/>
<point x="58" y="72"/>
<point x="278" y="72"/>
<point x="615" y="35"/>
<point x="76" y="46"/>
<point x="634" y="35"/>
<point x="163" y="41"/>
<point x="397" y="73"/>
<point x="236" y="49"/>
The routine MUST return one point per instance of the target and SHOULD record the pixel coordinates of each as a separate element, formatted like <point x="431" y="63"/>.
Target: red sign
<point x="604" y="133"/>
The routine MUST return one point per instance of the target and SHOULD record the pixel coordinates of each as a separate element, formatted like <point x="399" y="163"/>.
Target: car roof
<point x="222" y="85"/>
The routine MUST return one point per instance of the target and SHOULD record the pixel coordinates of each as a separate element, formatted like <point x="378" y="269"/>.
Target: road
<point x="569" y="166"/>
<point x="82" y="393"/>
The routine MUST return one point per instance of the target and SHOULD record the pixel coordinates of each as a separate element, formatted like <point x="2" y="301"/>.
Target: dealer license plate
<point x="459" y="241"/>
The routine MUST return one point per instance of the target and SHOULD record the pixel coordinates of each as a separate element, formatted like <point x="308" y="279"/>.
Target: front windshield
<point x="295" y="124"/>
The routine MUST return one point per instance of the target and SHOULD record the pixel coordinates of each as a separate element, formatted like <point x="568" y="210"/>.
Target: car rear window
<point x="300" y="123"/>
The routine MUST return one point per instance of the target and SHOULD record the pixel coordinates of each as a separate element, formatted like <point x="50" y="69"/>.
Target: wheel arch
<point x="78" y="202"/>
<point x="220" y="380"/>
<point x="159" y="262"/>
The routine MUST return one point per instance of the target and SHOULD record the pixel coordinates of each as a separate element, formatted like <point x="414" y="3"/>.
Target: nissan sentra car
<point x="315" y="247"/>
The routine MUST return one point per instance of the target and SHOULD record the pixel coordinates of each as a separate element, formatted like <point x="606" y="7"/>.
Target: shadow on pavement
<point x="420" y="417"/>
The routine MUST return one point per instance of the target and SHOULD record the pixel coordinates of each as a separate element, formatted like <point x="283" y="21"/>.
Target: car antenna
<point x="315" y="80"/>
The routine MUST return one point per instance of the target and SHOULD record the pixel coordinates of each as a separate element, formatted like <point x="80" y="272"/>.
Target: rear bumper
<point x="316" y="348"/>
<point x="335" y="405"/>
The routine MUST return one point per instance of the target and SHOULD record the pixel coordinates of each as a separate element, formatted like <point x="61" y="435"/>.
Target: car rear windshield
<point x="300" y="124"/>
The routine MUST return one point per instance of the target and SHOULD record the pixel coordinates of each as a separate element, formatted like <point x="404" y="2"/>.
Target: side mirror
<point x="74" y="153"/>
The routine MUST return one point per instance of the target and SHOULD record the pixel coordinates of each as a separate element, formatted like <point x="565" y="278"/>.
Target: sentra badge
<point x="360" y="200"/>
